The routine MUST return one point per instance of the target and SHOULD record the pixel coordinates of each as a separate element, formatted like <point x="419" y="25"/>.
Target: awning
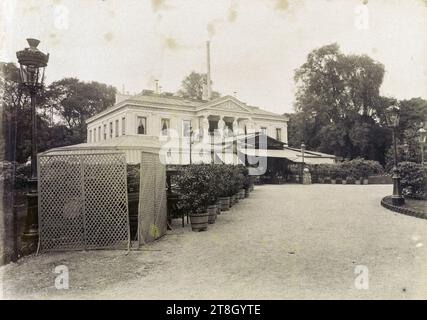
<point x="290" y="154"/>
<point x="229" y="158"/>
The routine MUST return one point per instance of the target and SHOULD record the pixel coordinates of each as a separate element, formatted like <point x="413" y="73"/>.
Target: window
<point x="165" y="126"/>
<point x="123" y="126"/>
<point x="186" y="128"/>
<point x="117" y="128"/>
<point x="99" y="133"/>
<point x="264" y="130"/>
<point x="142" y="125"/>
<point x="89" y="138"/>
<point x="279" y="134"/>
<point x="94" y="135"/>
<point x="111" y="130"/>
<point x="105" y="132"/>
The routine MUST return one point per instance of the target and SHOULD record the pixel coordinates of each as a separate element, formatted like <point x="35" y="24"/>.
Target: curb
<point x="386" y="203"/>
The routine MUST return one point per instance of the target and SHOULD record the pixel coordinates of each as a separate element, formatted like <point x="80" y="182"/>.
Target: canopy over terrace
<point x="230" y="150"/>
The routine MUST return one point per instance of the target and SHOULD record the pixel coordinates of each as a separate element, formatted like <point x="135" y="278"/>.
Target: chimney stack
<point x="208" y="74"/>
<point x="157" y="86"/>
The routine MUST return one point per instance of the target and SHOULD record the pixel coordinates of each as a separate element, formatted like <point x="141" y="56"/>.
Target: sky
<point x="256" y="45"/>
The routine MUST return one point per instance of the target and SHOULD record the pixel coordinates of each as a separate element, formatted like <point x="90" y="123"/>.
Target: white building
<point x="151" y="115"/>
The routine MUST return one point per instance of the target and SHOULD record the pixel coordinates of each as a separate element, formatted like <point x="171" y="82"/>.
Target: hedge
<point x="355" y="169"/>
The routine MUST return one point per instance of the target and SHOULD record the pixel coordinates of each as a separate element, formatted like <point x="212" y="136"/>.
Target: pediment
<point x="226" y="104"/>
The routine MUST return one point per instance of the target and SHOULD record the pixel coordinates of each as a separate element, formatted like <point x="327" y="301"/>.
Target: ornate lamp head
<point x="392" y="116"/>
<point x="32" y="64"/>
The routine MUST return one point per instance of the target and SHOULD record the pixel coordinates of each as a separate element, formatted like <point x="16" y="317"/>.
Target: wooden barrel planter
<point x="247" y="191"/>
<point x="133" y="202"/>
<point x="212" y="211"/>
<point x="242" y="193"/>
<point x="218" y="207"/>
<point x="199" y="222"/>
<point x="225" y="203"/>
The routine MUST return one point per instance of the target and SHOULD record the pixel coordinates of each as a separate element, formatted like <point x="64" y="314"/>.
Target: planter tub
<point x="232" y="200"/>
<point x="212" y="212"/>
<point x="327" y="180"/>
<point x="344" y="181"/>
<point x="365" y="181"/>
<point x="236" y="197"/>
<point x="242" y="194"/>
<point x="225" y="203"/>
<point x="333" y="181"/>
<point x="247" y="191"/>
<point x="357" y="181"/>
<point x="218" y="207"/>
<point x="199" y="222"/>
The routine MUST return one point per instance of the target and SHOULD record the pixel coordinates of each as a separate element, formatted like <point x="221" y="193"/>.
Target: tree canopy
<point x="62" y="109"/>
<point x="338" y="106"/>
<point x="192" y="86"/>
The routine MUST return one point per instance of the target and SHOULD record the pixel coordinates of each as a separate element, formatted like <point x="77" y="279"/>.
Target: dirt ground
<point x="284" y="242"/>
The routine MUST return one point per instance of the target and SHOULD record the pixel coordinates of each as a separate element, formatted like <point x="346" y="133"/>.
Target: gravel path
<point x="284" y="242"/>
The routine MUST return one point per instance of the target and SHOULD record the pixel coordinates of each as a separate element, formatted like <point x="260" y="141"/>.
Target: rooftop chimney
<point x="157" y="91"/>
<point x="208" y="74"/>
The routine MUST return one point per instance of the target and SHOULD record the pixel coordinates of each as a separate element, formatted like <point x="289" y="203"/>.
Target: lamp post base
<point x="397" y="200"/>
<point x="31" y="232"/>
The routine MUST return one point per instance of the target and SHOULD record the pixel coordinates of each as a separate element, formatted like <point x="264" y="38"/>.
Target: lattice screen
<point x="152" y="217"/>
<point x="83" y="201"/>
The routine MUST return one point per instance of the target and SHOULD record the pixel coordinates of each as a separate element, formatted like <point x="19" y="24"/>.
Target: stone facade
<point x="157" y="114"/>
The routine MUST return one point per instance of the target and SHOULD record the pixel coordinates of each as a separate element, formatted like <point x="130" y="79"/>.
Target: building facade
<point x="156" y="115"/>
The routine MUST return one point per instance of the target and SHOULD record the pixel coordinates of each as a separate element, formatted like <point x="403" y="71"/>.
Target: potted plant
<point x="193" y="183"/>
<point x="223" y="183"/>
<point x="213" y="194"/>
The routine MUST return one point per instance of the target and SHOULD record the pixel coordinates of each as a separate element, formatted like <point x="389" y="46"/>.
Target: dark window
<point x="165" y="126"/>
<point x="117" y="128"/>
<point x="142" y="125"/>
<point x="123" y="126"/>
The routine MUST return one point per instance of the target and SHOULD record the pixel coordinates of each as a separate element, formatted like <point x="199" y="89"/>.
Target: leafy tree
<point x="338" y="106"/>
<point x="62" y="109"/>
<point x="74" y="101"/>
<point x="192" y="86"/>
<point x="413" y="115"/>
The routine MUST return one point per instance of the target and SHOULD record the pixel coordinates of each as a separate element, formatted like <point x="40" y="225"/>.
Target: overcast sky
<point x="255" y="44"/>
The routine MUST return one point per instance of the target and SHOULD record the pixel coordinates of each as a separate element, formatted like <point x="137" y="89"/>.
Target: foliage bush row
<point x="201" y="185"/>
<point x="357" y="169"/>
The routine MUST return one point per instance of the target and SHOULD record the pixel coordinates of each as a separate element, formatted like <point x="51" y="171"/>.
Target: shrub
<point x="194" y="184"/>
<point x="413" y="179"/>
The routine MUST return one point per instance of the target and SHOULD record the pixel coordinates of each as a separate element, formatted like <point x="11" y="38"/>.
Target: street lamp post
<point x="392" y="117"/>
<point x="32" y="64"/>
<point x="302" y="165"/>
<point x="422" y="140"/>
